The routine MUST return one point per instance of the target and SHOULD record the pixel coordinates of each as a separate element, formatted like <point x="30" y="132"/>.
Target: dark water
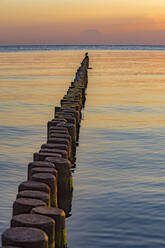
<point x="119" y="181"/>
<point x="27" y="48"/>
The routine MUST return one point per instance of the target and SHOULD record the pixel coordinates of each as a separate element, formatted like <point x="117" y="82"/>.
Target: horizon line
<point x="141" y="44"/>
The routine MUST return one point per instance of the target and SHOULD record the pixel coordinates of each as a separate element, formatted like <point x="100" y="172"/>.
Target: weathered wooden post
<point x="59" y="216"/>
<point x="41" y="222"/>
<point x="25" y="237"/>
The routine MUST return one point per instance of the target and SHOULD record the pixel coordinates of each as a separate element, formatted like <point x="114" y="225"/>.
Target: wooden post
<point x="59" y="216"/>
<point x="25" y="237"/>
<point x="41" y="222"/>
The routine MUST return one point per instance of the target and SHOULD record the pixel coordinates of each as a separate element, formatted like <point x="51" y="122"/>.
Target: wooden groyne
<point x="44" y="200"/>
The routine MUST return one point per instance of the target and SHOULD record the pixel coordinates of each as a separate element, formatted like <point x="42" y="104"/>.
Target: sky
<point x="82" y="22"/>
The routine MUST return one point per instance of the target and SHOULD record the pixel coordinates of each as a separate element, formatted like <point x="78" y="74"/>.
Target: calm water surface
<point x="119" y="181"/>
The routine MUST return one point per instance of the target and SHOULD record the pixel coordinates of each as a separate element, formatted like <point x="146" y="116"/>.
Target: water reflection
<point x="31" y="84"/>
<point x="118" y="181"/>
<point x="118" y="198"/>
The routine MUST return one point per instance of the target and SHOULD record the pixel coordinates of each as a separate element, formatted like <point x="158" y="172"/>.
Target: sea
<point x="119" y="179"/>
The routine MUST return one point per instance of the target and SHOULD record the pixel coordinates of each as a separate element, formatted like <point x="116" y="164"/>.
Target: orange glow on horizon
<point x="67" y="20"/>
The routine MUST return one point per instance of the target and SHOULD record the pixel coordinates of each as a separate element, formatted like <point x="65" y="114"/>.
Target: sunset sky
<point x="82" y="22"/>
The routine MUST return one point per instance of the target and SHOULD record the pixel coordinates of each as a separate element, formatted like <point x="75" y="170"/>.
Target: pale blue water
<point x="119" y="181"/>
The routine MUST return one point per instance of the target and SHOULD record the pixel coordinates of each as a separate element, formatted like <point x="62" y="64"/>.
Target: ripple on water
<point x="119" y="181"/>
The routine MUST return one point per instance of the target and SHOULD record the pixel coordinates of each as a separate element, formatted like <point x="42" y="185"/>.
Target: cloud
<point x="92" y="36"/>
<point x="90" y="33"/>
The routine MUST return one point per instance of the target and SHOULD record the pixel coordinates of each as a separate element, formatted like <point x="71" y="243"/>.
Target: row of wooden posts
<point x="44" y="200"/>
